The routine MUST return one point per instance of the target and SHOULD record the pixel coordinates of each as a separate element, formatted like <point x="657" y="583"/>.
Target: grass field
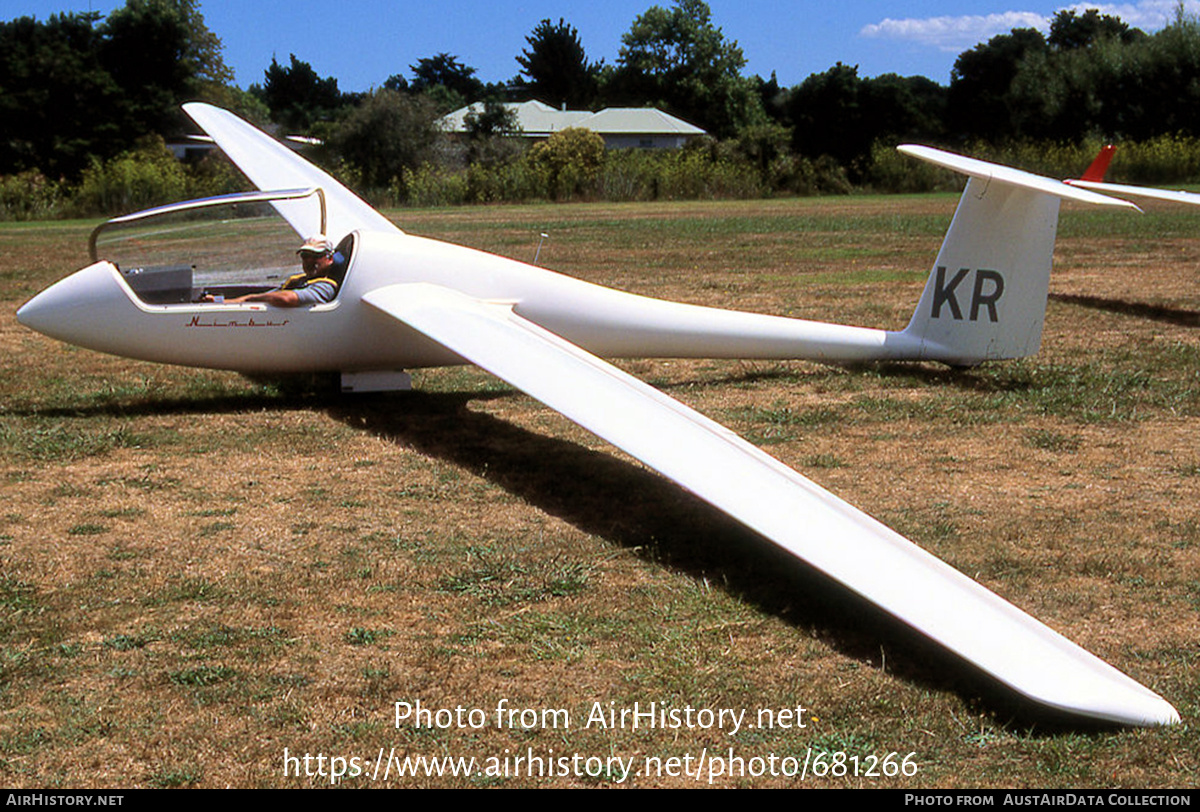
<point x="203" y="576"/>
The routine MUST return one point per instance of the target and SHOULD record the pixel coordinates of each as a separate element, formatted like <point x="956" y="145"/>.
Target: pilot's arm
<point x="314" y="293"/>
<point x="278" y="298"/>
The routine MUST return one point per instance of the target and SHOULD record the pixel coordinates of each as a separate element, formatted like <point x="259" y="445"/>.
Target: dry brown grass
<point x="199" y="571"/>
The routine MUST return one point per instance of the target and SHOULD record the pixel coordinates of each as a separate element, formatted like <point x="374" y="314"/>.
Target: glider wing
<point x="270" y="165"/>
<point x="770" y="498"/>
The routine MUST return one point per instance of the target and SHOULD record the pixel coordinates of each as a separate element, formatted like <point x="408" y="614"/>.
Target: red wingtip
<point x="1096" y="171"/>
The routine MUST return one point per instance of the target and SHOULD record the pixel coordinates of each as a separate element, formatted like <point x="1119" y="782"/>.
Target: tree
<point x="1070" y="30"/>
<point x="247" y="104"/>
<point x="903" y="108"/>
<point x="54" y="95"/>
<point x="493" y="120"/>
<point x="385" y="134"/>
<point x="979" y="101"/>
<point x="75" y="87"/>
<point x="145" y="50"/>
<point x="1167" y="86"/>
<point x="841" y="115"/>
<point x="490" y="129"/>
<point x="557" y="67"/>
<point x="1117" y="87"/>
<point x="297" y="97"/>
<point x="678" y="59"/>
<point x="826" y="115"/>
<point x="161" y="54"/>
<point x="448" y="82"/>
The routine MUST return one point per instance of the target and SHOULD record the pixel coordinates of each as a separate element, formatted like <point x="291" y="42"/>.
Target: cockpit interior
<point x="222" y="247"/>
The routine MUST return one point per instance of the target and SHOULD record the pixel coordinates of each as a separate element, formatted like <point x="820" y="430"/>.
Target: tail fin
<point x="986" y="297"/>
<point x="1095" y="172"/>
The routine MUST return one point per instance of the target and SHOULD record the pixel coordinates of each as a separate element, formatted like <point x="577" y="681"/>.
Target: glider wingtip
<point x="1163" y="716"/>
<point x="915" y="150"/>
<point x="198" y="111"/>
<point x="1128" y="706"/>
<point x="1167" y="714"/>
<point x="1147" y="709"/>
<point x="1142" y="708"/>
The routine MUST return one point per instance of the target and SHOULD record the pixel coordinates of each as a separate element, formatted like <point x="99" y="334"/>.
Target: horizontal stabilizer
<point x="1121" y="190"/>
<point x="1005" y="174"/>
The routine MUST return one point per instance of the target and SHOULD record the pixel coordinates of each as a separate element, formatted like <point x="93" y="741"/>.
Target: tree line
<point x="79" y="94"/>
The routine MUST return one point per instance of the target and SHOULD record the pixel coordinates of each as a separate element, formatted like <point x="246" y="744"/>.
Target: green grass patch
<point x="501" y="580"/>
<point x="62" y="441"/>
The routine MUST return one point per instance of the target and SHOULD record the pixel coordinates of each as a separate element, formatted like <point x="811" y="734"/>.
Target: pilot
<point x="317" y="284"/>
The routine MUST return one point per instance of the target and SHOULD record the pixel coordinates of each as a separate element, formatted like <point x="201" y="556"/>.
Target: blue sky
<point x="362" y="42"/>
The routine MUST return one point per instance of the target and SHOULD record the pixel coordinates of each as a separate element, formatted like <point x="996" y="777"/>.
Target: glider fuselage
<point x="97" y="308"/>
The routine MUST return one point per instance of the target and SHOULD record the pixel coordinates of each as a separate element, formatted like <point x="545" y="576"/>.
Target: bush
<point x="891" y="171"/>
<point x="702" y="171"/>
<point x="1049" y="158"/>
<point x="629" y="175"/>
<point x="1168" y="159"/>
<point x="1158" y="161"/>
<point x="573" y="164"/>
<point x="1165" y="159"/>
<point x="516" y="181"/>
<point x="214" y="175"/>
<point x="570" y="161"/>
<point x="29" y="196"/>
<point x="430" y="185"/>
<point x="802" y="176"/>
<point x="147" y="176"/>
<point x="695" y="174"/>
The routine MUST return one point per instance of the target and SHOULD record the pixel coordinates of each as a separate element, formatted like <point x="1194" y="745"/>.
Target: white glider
<point x="409" y="302"/>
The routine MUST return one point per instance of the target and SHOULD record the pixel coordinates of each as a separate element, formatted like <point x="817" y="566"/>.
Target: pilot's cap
<point x="318" y="244"/>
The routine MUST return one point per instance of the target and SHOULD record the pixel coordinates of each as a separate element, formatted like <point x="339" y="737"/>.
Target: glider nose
<point x="43" y="311"/>
<point x="72" y="308"/>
